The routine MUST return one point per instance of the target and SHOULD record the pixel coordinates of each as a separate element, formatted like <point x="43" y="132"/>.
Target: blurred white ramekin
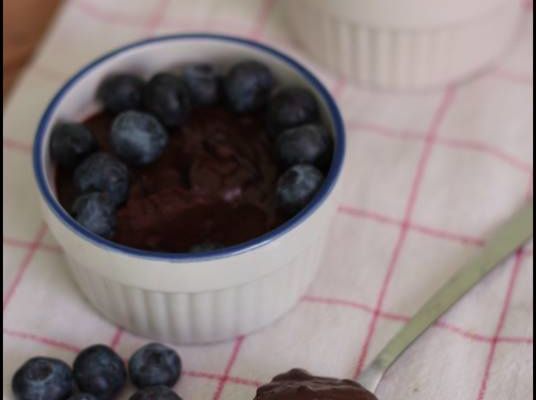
<point x="404" y="44"/>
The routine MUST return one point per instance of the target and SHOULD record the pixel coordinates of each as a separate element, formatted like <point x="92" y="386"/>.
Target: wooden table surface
<point x="25" y="22"/>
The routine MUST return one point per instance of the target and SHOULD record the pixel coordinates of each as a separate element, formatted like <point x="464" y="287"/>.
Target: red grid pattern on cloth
<point x="232" y="359"/>
<point x="410" y="206"/>
<point x="25" y="263"/>
<point x="500" y="324"/>
<point x="463" y="144"/>
<point x="425" y="230"/>
<point x="523" y="79"/>
<point x="430" y="139"/>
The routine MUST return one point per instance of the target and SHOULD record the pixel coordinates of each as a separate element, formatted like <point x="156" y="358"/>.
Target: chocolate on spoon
<point x="298" y="384"/>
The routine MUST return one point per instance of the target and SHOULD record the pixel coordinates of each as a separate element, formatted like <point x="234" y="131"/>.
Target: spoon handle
<point x="508" y="238"/>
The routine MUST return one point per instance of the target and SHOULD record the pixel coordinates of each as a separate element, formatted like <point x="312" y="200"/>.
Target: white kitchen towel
<point x="428" y="177"/>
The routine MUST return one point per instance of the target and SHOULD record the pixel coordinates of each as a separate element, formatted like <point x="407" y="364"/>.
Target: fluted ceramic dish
<point x="404" y="44"/>
<point x="190" y="298"/>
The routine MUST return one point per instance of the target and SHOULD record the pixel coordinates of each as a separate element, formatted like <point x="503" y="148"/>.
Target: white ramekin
<point x="185" y="298"/>
<point x="404" y="44"/>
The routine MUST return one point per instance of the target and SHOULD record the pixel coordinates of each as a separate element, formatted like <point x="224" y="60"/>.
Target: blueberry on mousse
<point x="95" y="212"/>
<point x="167" y="98"/>
<point x="121" y="92"/>
<point x="297" y="186"/>
<point x="70" y="143"/>
<point x="203" y="83"/>
<point x="248" y="86"/>
<point x="306" y="144"/>
<point x="98" y="370"/>
<point x="291" y="107"/>
<point x="42" y="378"/>
<point x="138" y="138"/>
<point x="102" y="172"/>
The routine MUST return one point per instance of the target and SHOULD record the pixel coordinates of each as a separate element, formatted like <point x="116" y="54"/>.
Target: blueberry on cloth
<point x="121" y="92"/>
<point x="291" y="107"/>
<point x="153" y="365"/>
<point x="82" y="396"/>
<point x="247" y="86"/>
<point x="137" y="137"/>
<point x="95" y="212"/>
<point x="167" y="98"/>
<point x="155" y="393"/>
<point x="102" y="172"/>
<point x="204" y="247"/>
<point x="203" y="83"/>
<point x="43" y="378"/>
<point x="100" y="371"/>
<point x="296" y="187"/>
<point x="307" y="144"/>
<point x="70" y="143"/>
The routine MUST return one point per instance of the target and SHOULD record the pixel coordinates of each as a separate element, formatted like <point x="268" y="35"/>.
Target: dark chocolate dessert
<point x="298" y="384"/>
<point x="194" y="162"/>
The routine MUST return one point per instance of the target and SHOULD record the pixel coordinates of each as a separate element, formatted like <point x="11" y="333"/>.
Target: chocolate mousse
<point x="192" y="161"/>
<point x="298" y="384"/>
<point x="214" y="182"/>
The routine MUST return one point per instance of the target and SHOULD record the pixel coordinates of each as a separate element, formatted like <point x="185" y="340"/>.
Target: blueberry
<point x="203" y="83"/>
<point x="291" y="107"/>
<point x="42" y="378"/>
<point x="204" y="247"/>
<point x="296" y="187"/>
<point x="82" y="396"/>
<point x="138" y="138"/>
<point x="70" y="143"/>
<point x="95" y="212"/>
<point x="247" y="86"/>
<point x="121" y="92"/>
<point x="307" y="144"/>
<point x="100" y="371"/>
<point x="155" y="393"/>
<point x="154" y="364"/>
<point x="102" y="172"/>
<point x="167" y="98"/>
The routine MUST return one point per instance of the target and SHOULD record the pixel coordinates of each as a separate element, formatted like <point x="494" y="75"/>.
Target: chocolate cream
<point x="298" y="384"/>
<point x="214" y="183"/>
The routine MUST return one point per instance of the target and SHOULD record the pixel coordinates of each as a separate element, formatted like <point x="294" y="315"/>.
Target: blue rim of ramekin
<point x="320" y="197"/>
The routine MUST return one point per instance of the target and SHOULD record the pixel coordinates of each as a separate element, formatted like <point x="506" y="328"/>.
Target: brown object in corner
<point x="25" y="22"/>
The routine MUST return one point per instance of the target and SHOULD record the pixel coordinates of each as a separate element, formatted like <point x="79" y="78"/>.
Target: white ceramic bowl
<point x="404" y="44"/>
<point x="186" y="298"/>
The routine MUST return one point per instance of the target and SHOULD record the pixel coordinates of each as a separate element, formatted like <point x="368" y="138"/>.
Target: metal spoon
<point x="511" y="236"/>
